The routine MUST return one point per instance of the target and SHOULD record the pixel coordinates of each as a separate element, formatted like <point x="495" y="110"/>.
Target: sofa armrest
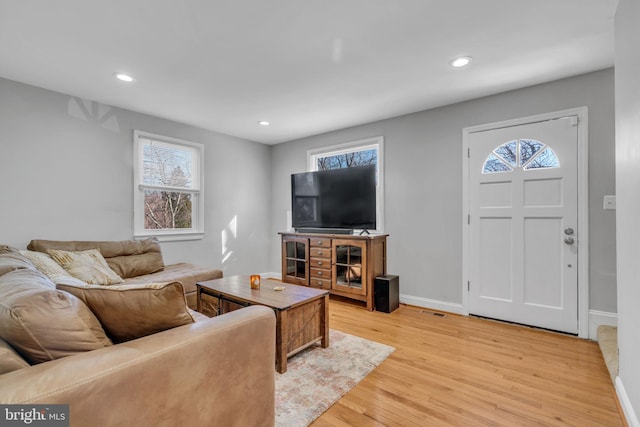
<point x="218" y="371"/>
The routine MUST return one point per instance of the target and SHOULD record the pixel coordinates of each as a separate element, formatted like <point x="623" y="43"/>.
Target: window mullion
<point x="168" y="188"/>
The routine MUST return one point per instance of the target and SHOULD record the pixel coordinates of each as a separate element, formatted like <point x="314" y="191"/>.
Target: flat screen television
<point x="336" y="200"/>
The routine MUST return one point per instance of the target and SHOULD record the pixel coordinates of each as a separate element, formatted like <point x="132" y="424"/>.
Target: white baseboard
<point x="627" y="408"/>
<point x="270" y="275"/>
<point x="597" y="318"/>
<point x="431" y="304"/>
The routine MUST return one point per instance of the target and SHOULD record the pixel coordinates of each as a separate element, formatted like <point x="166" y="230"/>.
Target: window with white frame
<point x="356" y="153"/>
<point x="168" y="180"/>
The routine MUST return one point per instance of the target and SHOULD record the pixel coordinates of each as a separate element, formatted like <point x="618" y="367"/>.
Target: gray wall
<point x="628" y="203"/>
<point x="423" y="182"/>
<point x="66" y="173"/>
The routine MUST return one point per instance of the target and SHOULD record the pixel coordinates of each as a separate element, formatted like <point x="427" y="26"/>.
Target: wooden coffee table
<point x="302" y="313"/>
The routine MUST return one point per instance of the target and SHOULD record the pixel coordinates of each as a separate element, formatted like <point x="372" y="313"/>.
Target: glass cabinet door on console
<point x="295" y="256"/>
<point x="349" y="266"/>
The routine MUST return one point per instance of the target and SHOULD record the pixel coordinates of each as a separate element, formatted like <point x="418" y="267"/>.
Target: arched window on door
<point x="525" y="153"/>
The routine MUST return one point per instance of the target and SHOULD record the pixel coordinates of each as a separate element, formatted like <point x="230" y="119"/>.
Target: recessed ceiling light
<point x="264" y="123"/>
<point x="123" y="77"/>
<point x="461" y="61"/>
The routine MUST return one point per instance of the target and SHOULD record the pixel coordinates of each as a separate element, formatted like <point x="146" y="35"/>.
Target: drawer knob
<point x="319" y="283"/>
<point x="319" y="262"/>
<point x="319" y="253"/>
<point x="319" y="242"/>
<point x="319" y="273"/>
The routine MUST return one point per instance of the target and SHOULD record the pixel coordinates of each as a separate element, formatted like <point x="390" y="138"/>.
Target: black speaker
<point x="386" y="293"/>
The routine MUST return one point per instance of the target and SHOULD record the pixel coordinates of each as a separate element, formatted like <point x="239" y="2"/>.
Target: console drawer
<point x="320" y="263"/>
<point x="321" y="242"/>
<point x="320" y="252"/>
<point x="320" y="273"/>
<point x="320" y="283"/>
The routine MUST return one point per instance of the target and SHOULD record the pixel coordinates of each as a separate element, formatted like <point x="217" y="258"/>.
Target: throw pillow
<point x="45" y="264"/>
<point x="88" y="266"/>
<point x="10" y="261"/>
<point x="6" y="249"/>
<point x="42" y="323"/>
<point x="68" y="280"/>
<point x="127" y="312"/>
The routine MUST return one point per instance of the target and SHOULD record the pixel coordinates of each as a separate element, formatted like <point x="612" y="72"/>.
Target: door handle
<point x="569" y="240"/>
<point x="568" y="231"/>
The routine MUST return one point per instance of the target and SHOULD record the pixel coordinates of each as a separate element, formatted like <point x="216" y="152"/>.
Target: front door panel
<point x="523" y="216"/>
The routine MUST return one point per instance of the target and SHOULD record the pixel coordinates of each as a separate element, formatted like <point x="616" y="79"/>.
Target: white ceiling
<point x="307" y="66"/>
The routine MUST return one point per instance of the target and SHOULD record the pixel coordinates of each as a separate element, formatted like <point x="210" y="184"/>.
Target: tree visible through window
<point x="168" y="191"/>
<point x="167" y="167"/>
<point x="356" y="153"/>
<point x="525" y="153"/>
<point x="348" y="159"/>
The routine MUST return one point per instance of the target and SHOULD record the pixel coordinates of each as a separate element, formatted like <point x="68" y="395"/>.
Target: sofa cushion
<point x="42" y="323"/>
<point x="127" y="258"/>
<point x="6" y="249"/>
<point x="185" y="273"/>
<point x="10" y="261"/>
<point x="44" y="263"/>
<point x="136" y="258"/>
<point x="9" y="359"/>
<point x="133" y="311"/>
<point x="88" y="266"/>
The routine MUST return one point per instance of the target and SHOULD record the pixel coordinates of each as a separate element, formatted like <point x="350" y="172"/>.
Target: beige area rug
<point x="317" y="377"/>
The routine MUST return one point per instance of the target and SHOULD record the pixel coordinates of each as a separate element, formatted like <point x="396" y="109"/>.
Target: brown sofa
<point x="211" y="371"/>
<point x="138" y="261"/>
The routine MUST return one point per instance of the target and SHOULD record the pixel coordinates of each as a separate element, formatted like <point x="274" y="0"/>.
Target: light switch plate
<point x="609" y="202"/>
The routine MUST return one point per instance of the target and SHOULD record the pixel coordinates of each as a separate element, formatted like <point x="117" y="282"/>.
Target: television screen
<point x="337" y="198"/>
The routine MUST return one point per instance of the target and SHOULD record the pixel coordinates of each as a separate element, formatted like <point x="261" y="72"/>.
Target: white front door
<point x="522" y="224"/>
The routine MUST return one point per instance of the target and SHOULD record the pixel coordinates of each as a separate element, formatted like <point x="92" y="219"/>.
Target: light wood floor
<point x="463" y="371"/>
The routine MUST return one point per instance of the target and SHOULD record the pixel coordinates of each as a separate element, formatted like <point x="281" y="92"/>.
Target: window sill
<point x="171" y="237"/>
